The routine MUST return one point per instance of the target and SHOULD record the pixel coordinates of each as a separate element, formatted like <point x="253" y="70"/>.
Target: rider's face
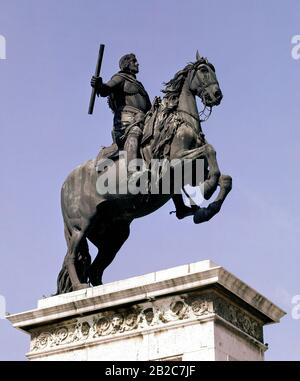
<point x="133" y="66"/>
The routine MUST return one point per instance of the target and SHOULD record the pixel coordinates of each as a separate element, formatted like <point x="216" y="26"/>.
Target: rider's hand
<point x="96" y="82"/>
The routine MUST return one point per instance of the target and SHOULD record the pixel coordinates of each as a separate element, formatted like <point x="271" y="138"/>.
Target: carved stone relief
<point x="144" y="316"/>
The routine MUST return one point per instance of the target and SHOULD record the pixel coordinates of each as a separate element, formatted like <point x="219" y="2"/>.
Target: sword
<point x="97" y="73"/>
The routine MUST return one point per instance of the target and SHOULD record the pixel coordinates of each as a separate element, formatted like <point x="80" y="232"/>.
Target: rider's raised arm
<point x="107" y="88"/>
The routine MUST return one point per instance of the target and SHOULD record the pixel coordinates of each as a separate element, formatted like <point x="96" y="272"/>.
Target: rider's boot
<point x="131" y="147"/>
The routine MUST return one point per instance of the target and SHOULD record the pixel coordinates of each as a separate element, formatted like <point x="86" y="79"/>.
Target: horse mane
<point x="173" y="87"/>
<point x="162" y="130"/>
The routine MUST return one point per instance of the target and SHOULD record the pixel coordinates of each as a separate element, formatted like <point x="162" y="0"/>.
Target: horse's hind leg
<point x="108" y="245"/>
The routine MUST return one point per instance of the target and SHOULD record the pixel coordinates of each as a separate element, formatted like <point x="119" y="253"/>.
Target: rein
<point x="202" y="90"/>
<point x="200" y="113"/>
<point x="206" y="116"/>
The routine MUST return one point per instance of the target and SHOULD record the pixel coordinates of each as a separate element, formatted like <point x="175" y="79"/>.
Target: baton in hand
<point x="97" y="73"/>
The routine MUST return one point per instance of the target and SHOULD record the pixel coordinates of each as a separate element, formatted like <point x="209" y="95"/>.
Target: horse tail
<point x="63" y="280"/>
<point x="82" y="264"/>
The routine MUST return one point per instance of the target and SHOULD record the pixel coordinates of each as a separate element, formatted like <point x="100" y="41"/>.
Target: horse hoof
<point x="200" y="216"/>
<point x="94" y="278"/>
<point x="96" y="283"/>
<point x="80" y="286"/>
<point x="205" y="214"/>
<point x="186" y="211"/>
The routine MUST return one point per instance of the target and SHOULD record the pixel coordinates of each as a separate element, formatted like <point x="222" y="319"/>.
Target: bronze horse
<point x="105" y="220"/>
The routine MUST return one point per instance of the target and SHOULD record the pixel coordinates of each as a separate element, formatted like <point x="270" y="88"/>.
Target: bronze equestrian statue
<point x="169" y="129"/>
<point x="130" y="102"/>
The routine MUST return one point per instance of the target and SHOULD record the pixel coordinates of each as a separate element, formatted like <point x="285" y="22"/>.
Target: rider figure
<point x="130" y="102"/>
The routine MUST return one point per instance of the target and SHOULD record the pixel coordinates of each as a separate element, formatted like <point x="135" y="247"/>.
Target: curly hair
<point x="124" y="61"/>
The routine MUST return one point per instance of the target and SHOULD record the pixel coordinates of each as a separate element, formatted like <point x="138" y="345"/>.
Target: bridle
<point x="203" y="87"/>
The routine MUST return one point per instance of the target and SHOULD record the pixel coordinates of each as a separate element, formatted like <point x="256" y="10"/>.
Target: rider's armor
<point x="129" y="102"/>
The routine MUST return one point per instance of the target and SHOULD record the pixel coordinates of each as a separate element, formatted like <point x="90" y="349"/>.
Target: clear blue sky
<point x="45" y="132"/>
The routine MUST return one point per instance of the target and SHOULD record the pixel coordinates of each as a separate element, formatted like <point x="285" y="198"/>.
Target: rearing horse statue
<point x="105" y="220"/>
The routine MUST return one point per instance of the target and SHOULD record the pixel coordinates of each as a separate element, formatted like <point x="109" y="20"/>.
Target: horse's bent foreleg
<point x="211" y="183"/>
<point x="205" y="152"/>
<point x="205" y="214"/>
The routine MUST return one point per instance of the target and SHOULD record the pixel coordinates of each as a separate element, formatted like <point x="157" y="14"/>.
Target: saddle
<point x="155" y="127"/>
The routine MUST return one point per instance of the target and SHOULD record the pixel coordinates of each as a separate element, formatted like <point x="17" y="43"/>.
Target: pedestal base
<point x="193" y="312"/>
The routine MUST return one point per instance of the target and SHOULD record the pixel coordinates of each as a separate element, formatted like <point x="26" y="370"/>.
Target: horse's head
<point x="203" y="82"/>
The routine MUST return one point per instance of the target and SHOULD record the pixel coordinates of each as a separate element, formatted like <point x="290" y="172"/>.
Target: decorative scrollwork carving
<point x="144" y="316"/>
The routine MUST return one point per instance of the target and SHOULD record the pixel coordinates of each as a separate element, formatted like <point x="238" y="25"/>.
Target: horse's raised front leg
<point x="205" y="152"/>
<point x="183" y="148"/>
<point x="205" y="214"/>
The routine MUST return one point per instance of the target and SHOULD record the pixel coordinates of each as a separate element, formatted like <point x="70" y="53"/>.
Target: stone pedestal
<point x="198" y="311"/>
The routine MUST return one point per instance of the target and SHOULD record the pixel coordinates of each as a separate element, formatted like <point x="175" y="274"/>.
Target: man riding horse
<point x="175" y="135"/>
<point x="130" y="102"/>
